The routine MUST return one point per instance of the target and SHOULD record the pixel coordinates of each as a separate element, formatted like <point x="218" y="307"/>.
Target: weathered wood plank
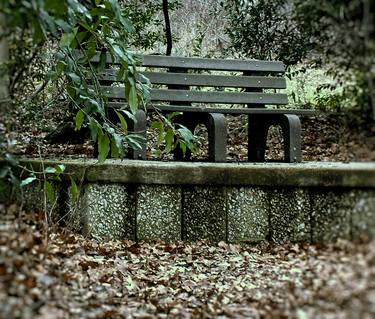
<point x="205" y="97"/>
<point x="228" y="110"/>
<point x="160" y="61"/>
<point x="212" y="64"/>
<point x="209" y="80"/>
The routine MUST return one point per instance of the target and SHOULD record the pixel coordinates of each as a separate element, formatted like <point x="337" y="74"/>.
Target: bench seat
<point x="205" y="91"/>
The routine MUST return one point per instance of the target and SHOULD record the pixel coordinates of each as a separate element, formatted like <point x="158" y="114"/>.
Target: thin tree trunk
<point x="168" y="32"/>
<point x="368" y="25"/>
<point x="4" y="56"/>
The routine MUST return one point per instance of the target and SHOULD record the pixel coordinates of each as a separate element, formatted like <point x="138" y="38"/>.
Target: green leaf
<point x="75" y="77"/>
<point x="118" y="52"/>
<point x="102" y="61"/>
<point x="118" y="13"/>
<point x="79" y="8"/>
<point x="91" y="48"/>
<point x="134" y="141"/>
<point x="11" y="159"/>
<point x="38" y="34"/>
<point x="50" y="170"/>
<point x="80" y="116"/>
<point x="73" y="189"/>
<point x="4" y="171"/>
<point x="57" y="7"/>
<point x="172" y="115"/>
<point x="49" y="191"/>
<point x="160" y="126"/>
<point x="120" y="73"/>
<point x="60" y="67"/>
<point x="169" y="140"/>
<point x="182" y="147"/>
<point x="133" y="101"/>
<point x="60" y="168"/>
<point x="124" y="125"/>
<point x="119" y="140"/>
<point x="103" y="146"/>
<point x="186" y="134"/>
<point x="129" y="115"/>
<point x="66" y="40"/>
<point x="115" y="153"/>
<point x="27" y="181"/>
<point x="94" y="129"/>
<point x="66" y="27"/>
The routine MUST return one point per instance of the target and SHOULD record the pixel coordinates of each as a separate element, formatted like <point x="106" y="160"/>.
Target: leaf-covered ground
<point x="73" y="277"/>
<point x="324" y="138"/>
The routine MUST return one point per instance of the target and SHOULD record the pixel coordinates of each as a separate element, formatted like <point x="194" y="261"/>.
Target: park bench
<point x="205" y="90"/>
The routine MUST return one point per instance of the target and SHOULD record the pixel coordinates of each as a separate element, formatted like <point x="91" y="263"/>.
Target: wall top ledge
<point x="305" y="174"/>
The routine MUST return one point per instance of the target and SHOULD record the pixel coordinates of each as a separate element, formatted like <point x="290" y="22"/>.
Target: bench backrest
<point x="183" y="81"/>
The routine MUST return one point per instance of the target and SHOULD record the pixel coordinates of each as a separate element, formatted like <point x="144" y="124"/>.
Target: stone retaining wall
<point x="139" y="200"/>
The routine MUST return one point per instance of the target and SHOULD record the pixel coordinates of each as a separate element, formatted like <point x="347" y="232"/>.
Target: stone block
<point x="108" y="211"/>
<point x="204" y="213"/>
<point x="75" y="209"/>
<point x="35" y="199"/>
<point x="330" y="215"/>
<point x="247" y="214"/>
<point x="363" y="214"/>
<point x="289" y="215"/>
<point x="159" y="212"/>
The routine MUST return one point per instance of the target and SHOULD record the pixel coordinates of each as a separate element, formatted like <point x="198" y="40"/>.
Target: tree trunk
<point x="4" y="56"/>
<point x="368" y="26"/>
<point x="168" y="32"/>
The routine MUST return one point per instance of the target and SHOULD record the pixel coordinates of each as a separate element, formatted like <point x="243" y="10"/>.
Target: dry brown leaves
<point x="324" y="138"/>
<point x="74" y="277"/>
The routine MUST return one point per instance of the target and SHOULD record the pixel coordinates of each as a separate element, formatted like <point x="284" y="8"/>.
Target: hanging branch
<point x="168" y="33"/>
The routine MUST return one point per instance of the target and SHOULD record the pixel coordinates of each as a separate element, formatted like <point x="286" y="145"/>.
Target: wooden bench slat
<point x="212" y="64"/>
<point x="188" y="108"/>
<point x="207" y="80"/>
<point x="159" y="61"/>
<point x="205" y="97"/>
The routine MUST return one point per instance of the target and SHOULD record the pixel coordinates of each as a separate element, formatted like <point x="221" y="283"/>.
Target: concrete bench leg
<point x="217" y="137"/>
<point x="257" y="138"/>
<point x="138" y="127"/>
<point x="291" y="127"/>
<point x="258" y="127"/>
<point x="217" y="134"/>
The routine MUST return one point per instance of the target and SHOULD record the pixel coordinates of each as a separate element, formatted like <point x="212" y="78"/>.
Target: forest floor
<point x="64" y="275"/>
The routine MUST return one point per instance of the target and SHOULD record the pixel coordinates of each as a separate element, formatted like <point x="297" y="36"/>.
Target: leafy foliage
<point x="337" y="36"/>
<point x="11" y="172"/>
<point x="264" y="30"/>
<point x="80" y="30"/>
<point x="147" y="21"/>
<point x="174" y="135"/>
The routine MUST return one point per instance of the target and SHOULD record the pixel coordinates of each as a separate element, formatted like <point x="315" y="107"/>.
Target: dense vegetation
<point x="336" y="36"/>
